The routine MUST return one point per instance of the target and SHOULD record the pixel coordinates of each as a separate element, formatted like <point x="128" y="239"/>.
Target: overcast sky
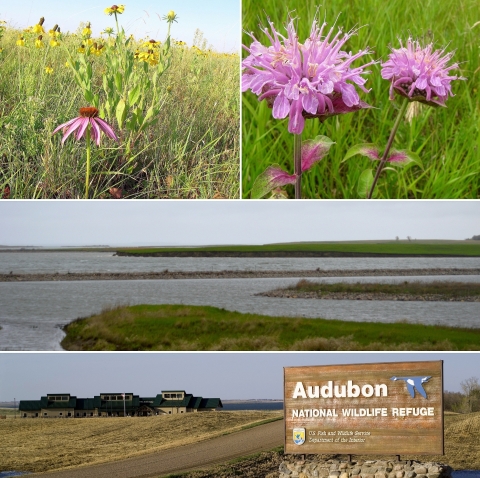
<point x="129" y="223"/>
<point x="219" y="20"/>
<point x="245" y="375"/>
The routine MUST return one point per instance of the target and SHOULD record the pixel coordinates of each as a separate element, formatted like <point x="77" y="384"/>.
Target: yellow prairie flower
<point x="39" y="42"/>
<point x="114" y="9"/>
<point x="38" y="28"/>
<point x="87" y="31"/>
<point x="21" y="41"/>
<point x="53" y="33"/>
<point x="171" y="16"/>
<point x="81" y="49"/>
<point x="151" y="44"/>
<point x="48" y="70"/>
<point x="54" y="43"/>
<point x="96" y="49"/>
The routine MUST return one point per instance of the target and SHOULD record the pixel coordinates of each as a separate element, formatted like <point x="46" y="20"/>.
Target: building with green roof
<point x="64" y="405"/>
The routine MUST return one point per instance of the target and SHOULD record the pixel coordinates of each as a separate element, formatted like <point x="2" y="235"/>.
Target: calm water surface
<point x="31" y="312"/>
<point x="62" y="262"/>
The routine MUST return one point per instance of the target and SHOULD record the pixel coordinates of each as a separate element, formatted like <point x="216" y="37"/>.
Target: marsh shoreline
<point x="232" y="274"/>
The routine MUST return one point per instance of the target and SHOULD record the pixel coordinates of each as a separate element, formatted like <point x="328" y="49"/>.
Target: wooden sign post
<point x="380" y="408"/>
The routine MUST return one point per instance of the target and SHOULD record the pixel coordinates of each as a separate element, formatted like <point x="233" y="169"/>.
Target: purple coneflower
<point x="305" y="80"/>
<point x="420" y="74"/>
<point x="88" y="120"/>
<point x="88" y="116"/>
<point x="310" y="80"/>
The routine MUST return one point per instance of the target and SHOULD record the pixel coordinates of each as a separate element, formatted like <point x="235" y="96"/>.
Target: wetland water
<point x="63" y="262"/>
<point x="31" y="313"/>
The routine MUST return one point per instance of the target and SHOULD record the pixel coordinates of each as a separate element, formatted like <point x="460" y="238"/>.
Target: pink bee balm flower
<point x="420" y="74"/>
<point x="88" y="116"/>
<point x="313" y="79"/>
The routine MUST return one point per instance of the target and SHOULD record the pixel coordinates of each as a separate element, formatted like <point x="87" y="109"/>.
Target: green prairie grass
<point x="191" y="152"/>
<point x="446" y="289"/>
<point x="446" y="139"/>
<point x="388" y="248"/>
<point x="184" y="327"/>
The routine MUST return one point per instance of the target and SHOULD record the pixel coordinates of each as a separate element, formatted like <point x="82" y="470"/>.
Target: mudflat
<point x="227" y="274"/>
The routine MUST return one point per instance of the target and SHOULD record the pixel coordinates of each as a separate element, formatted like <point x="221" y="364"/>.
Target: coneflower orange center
<point x="89" y="112"/>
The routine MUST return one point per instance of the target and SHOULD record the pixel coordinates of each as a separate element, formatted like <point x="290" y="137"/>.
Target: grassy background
<point x="184" y="327"/>
<point x="192" y="152"/>
<point x="39" y="445"/>
<point x="455" y="248"/>
<point x="447" y="139"/>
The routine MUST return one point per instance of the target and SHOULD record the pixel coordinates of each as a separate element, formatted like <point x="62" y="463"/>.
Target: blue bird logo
<point x="414" y="383"/>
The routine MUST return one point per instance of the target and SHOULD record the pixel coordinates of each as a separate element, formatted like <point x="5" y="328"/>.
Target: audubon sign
<point x="381" y="408"/>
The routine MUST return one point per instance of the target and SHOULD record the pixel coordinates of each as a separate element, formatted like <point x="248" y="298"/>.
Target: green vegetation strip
<point x="445" y="289"/>
<point x="389" y="248"/>
<point x="184" y="327"/>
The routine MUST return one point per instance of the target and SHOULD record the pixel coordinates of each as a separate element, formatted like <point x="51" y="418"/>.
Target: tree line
<point x="466" y="401"/>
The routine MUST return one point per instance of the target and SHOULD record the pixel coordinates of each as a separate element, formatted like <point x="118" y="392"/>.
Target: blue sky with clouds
<point x="225" y="375"/>
<point x="218" y="20"/>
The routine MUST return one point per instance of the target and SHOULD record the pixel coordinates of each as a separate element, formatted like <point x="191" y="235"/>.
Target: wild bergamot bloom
<point x="114" y="9"/>
<point x="420" y="74"/>
<point x="313" y="79"/>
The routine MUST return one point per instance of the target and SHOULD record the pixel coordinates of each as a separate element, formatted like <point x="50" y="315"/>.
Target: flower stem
<point x="401" y="114"/>
<point x="87" y="178"/>
<point x="297" y="160"/>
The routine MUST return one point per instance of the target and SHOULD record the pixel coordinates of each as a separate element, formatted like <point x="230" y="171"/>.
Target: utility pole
<point x="124" y="410"/>
<point x="14" y="408"/>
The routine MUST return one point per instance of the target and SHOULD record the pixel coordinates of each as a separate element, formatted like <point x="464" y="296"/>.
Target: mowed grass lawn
<point x="38" y="445"/>
<point x="447" y="139"/>
<point x="184" y="327"/>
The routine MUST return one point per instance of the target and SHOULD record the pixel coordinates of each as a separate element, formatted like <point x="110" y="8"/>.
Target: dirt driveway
<point x="188" y="457"/>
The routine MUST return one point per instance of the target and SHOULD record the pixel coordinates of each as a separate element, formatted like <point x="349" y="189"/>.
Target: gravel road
<point x="188" y="457"/>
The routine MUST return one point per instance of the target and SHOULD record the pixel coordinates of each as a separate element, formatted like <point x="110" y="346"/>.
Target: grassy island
<point x="414" y="248"/>
<point x="184" y="327"/>
<point x="406" y="290"/>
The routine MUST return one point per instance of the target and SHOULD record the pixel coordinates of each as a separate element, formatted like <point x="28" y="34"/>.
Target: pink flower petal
<point x="281" y="107"/>
<point x="96" y="136"/>
<point x="106" y="128"/>
<point x="73" y="126"/>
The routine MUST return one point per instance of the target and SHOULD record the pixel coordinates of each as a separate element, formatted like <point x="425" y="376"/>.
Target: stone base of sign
<point x="312" y="467"/>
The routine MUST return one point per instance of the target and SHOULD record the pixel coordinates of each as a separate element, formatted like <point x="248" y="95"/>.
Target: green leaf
<point x="364" y="149"/>
<point x="409" y="157"/>
<point x="134" y="94"/>
<point x="88" y="96"/>
<point x="121" y="113"/>
<point x="118" y="81"/>
<point x="365" y="184"/>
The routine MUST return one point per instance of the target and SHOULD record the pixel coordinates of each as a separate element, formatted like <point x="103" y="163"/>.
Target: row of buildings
<point x="64" y="405"/>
